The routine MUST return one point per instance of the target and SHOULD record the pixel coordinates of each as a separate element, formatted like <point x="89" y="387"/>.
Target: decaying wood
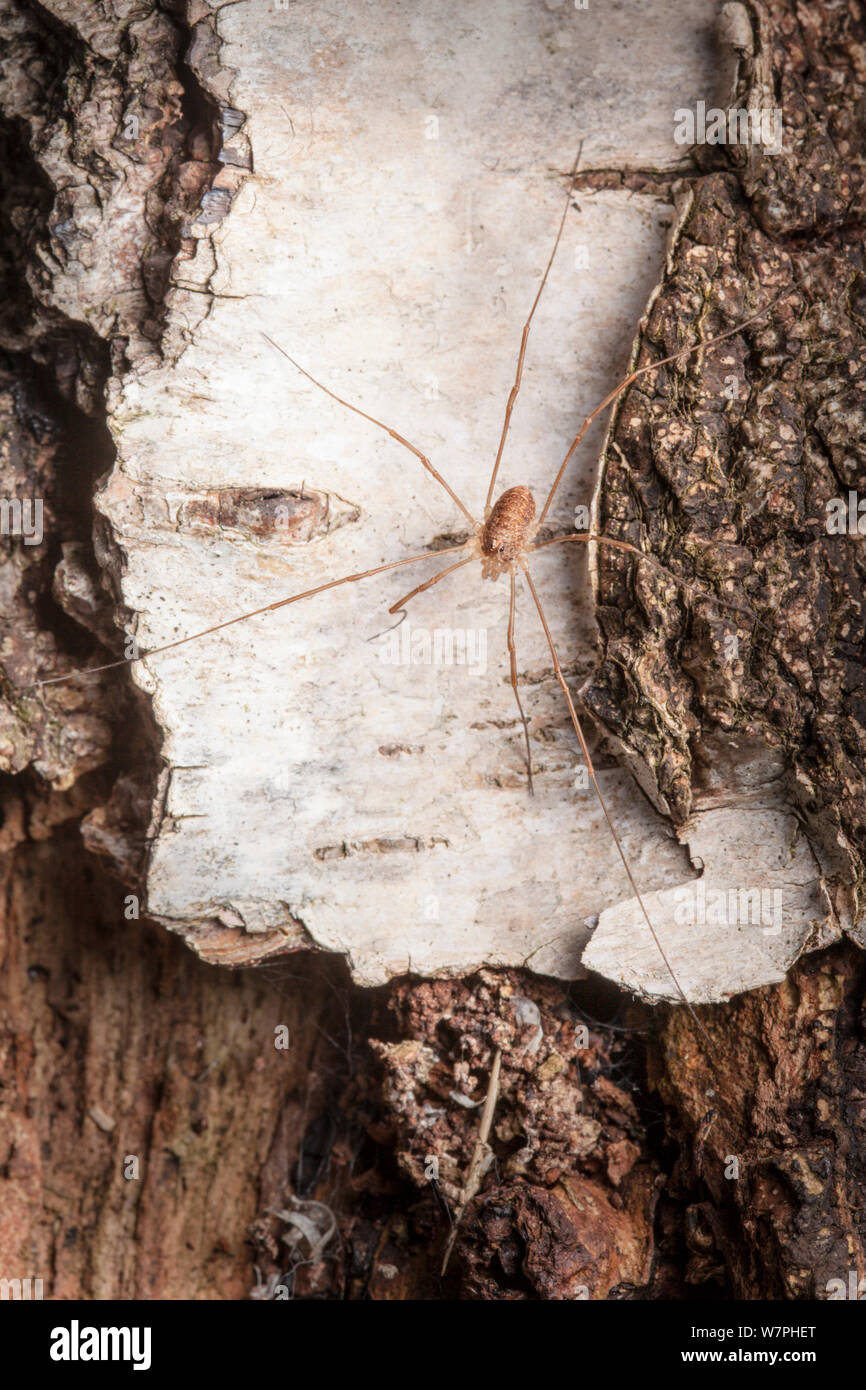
<point x="568" y="1205"/>
<point x="271" y="1172"/>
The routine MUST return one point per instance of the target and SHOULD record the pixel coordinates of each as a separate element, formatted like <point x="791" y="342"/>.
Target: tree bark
<point x="172" y="1128"/>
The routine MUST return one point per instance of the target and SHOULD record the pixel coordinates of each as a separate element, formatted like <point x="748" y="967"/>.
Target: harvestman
<point x="502" y="543"/>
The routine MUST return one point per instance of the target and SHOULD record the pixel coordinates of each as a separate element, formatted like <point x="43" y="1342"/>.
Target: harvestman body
<point x="503" y="544"/>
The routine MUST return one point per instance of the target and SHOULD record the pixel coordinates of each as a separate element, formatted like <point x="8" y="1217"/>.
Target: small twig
<point x="481" y="1155"/>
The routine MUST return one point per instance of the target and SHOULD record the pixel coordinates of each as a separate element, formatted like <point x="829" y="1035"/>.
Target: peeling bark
<point x="607" y="1180"/>
<point x="319" y="786"/>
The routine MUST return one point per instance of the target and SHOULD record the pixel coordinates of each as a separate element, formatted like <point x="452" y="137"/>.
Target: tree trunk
<point x="174" y="1127"/>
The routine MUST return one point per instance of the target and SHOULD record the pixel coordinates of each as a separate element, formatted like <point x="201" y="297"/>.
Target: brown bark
<point x="790" y="1065"/>
<point x="147" y="1118"/>
<point x="732" y="496"/>
<point x="731" y="493"/>
<point x="609" y="1179"/>
<point x="765" y="1198"/>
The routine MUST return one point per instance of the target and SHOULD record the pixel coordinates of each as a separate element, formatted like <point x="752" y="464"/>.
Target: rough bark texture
<point x="786" y="1219"/>
<point x="731" y="494"/>
<point x="116" y="1045"/>
<point x="608" y="1179"/>
<point x="147" y="1119"/>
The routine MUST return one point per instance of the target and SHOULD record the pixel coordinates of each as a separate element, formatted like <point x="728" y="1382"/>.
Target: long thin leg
<point x="591" y="536"/>
<point x="512" y="653"/>
<point x="653" y="564"/>
<point x="633" y="376"/>
<point x="382" y="426"/>
<point x="591" y="770"/>
<point x="512" y="397"/>
<point x="242" y="617"/>
<point x="428" y="583"/>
